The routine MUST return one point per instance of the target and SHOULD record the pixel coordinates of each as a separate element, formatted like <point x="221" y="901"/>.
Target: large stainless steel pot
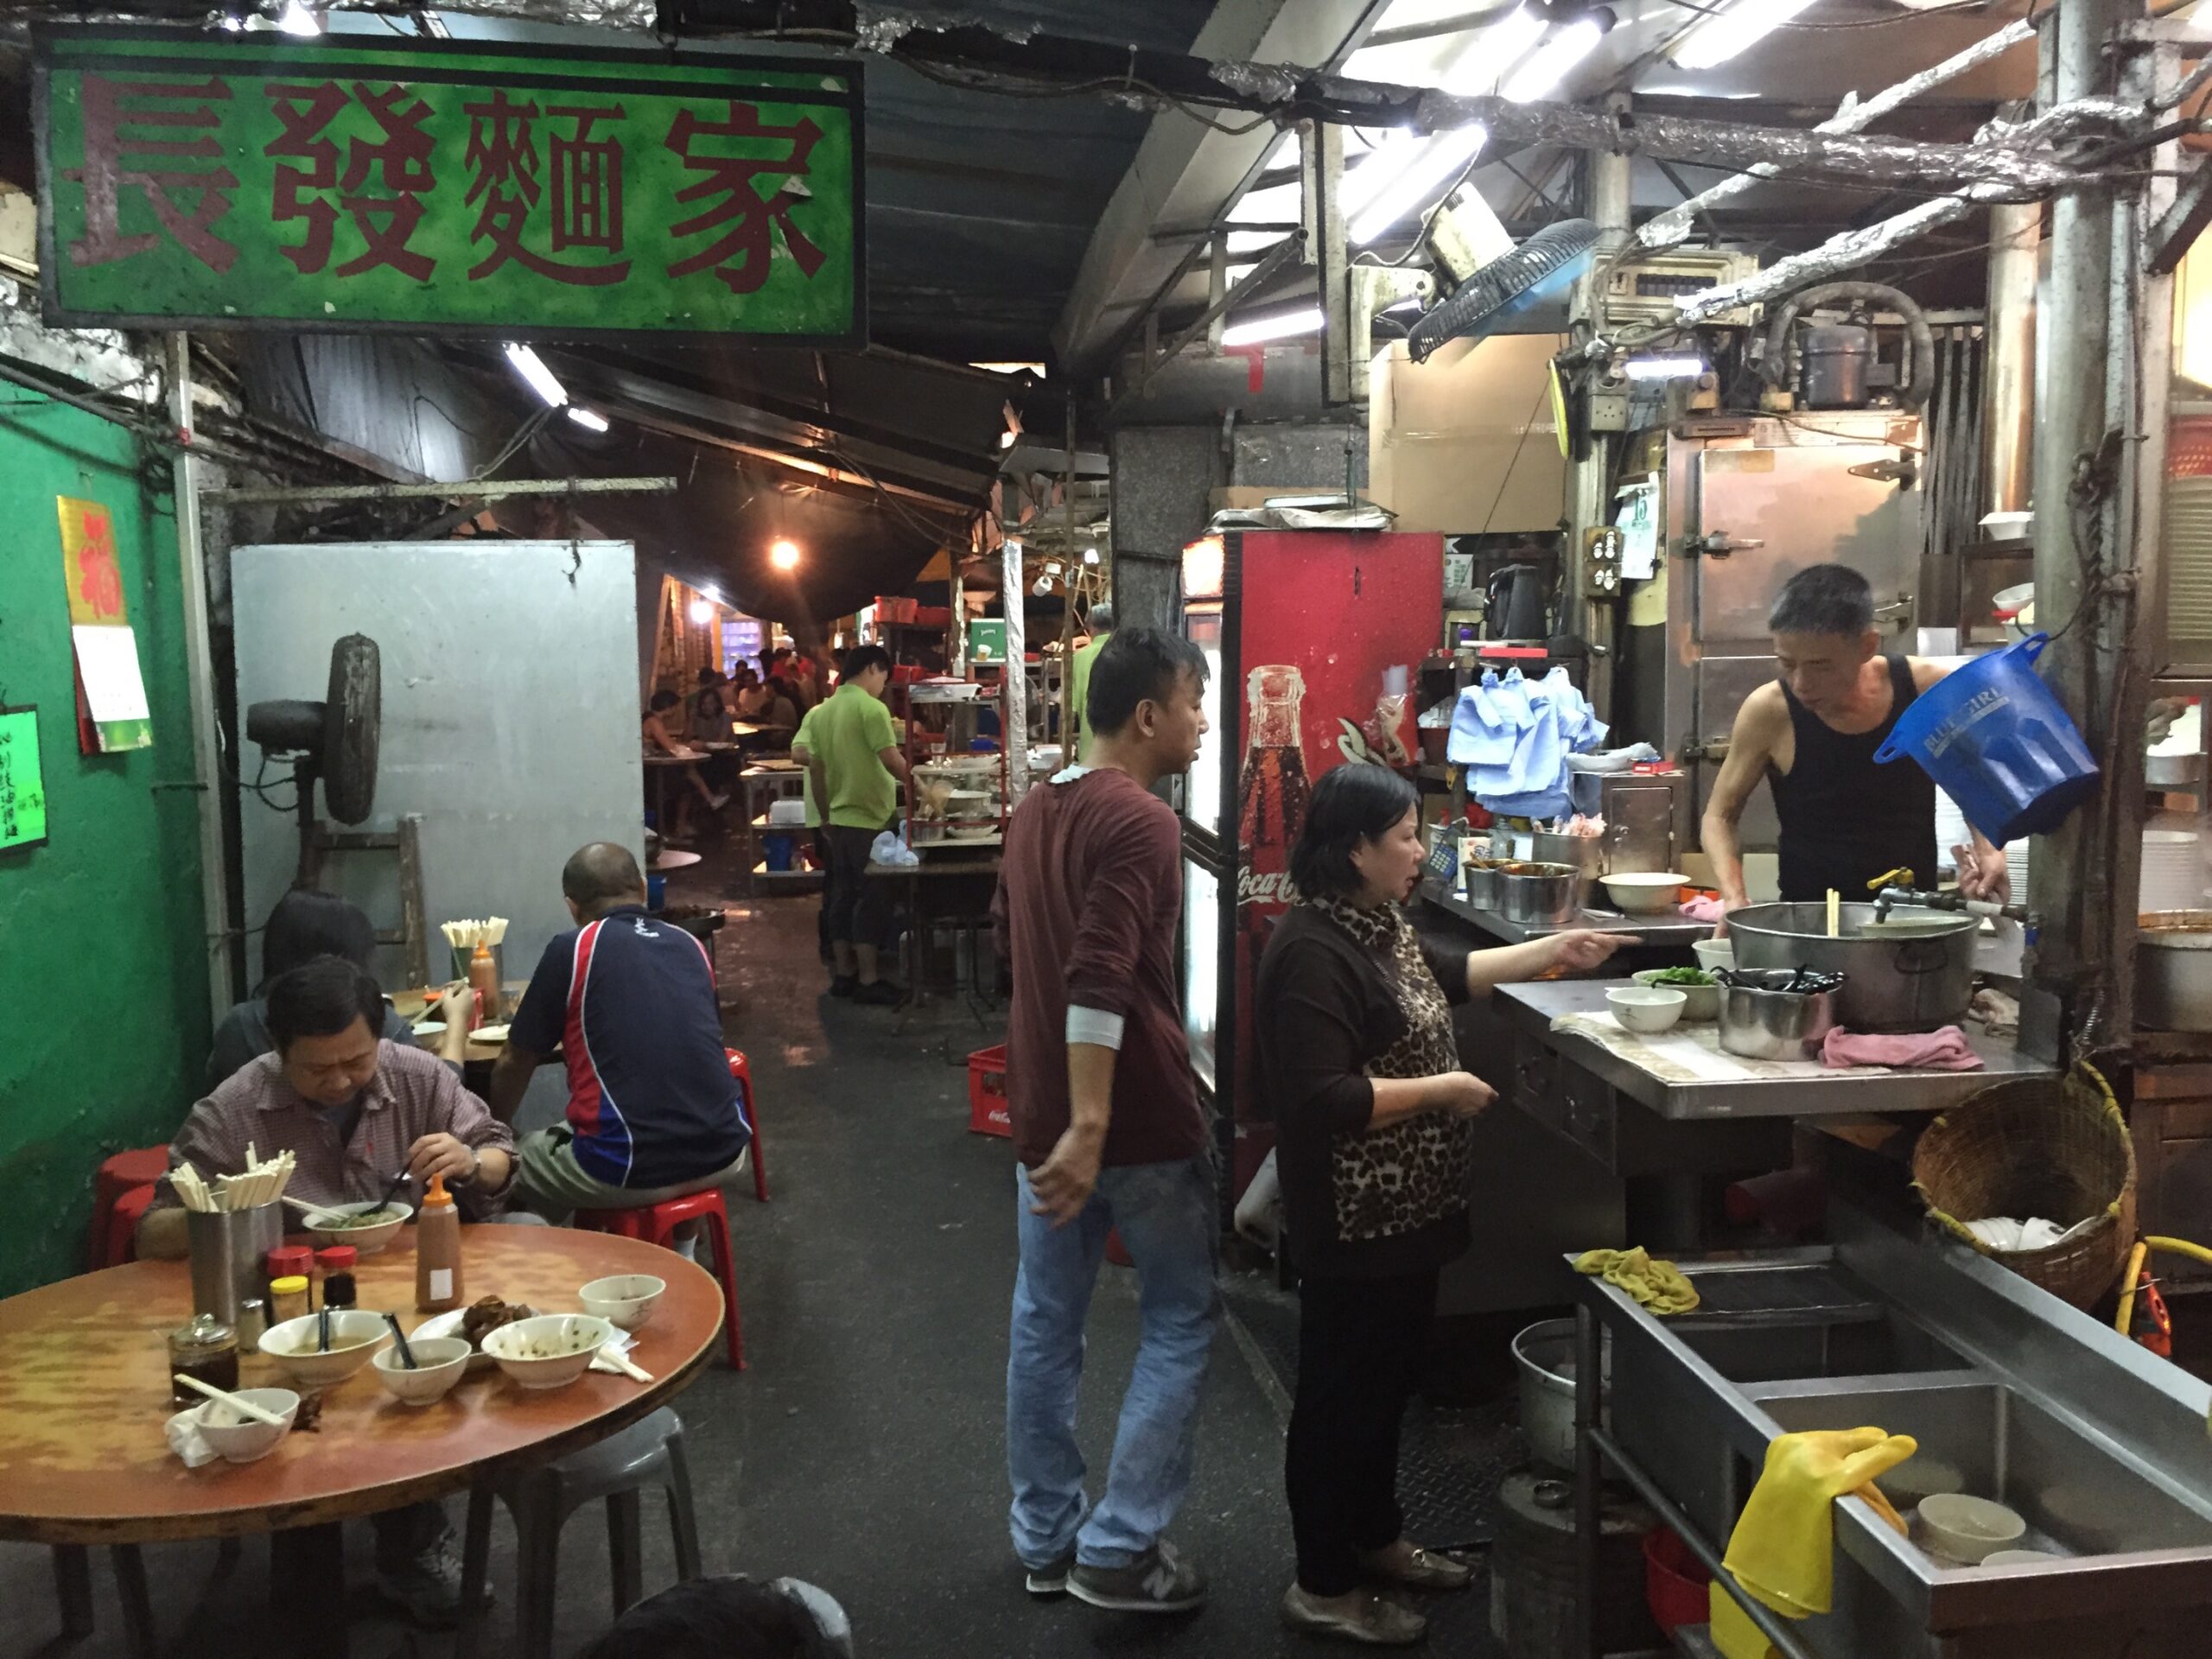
<point x="1541" y="895"/>
<point x="2173" y="971"/>
<point x="1582" y="853"/>
<point x="1544" y="1355"/>
<point x="1890" y="982"/>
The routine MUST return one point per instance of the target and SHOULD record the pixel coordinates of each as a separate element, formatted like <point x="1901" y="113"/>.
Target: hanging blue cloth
<point x="1514" y="737"/>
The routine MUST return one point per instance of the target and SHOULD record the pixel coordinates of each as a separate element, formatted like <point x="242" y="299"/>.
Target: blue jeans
<point x="1169" y="1220"/>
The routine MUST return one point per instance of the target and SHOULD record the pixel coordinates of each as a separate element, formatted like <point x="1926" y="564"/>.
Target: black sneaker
<point x="1049" y="1580"/>
<point x="881" y="994"/>
<point x="1158" y="1581"/>
<point x="844" y="984"/>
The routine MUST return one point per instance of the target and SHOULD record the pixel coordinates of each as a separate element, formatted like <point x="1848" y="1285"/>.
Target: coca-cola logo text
<point x="1264" y="887"/>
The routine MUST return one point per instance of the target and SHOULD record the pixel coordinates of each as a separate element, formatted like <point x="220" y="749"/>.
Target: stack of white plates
<point x="2173" y="871"/>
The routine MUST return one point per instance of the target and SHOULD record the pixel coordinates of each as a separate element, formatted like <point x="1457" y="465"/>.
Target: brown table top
<point x="84" y="1392"/>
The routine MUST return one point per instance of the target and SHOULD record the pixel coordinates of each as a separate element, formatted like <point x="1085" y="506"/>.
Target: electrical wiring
<point x="1704" y="10"/>
<point x="1007" y="87"/>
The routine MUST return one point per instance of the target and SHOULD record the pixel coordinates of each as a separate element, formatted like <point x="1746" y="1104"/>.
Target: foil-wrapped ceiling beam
<point x="1666" y="230"/>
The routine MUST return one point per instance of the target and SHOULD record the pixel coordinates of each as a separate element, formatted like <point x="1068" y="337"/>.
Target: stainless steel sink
<point x="2010" y="1395"/>
<point x="1983" y="1437"/>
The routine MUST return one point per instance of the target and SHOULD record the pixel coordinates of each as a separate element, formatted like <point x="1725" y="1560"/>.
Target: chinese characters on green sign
<point x="22" y="780"/>
<point x="439" y="186"/>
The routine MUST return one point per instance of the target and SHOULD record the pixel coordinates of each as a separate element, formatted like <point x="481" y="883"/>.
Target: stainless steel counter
<point x="1531" y="1007"/>
<point x="1672" y="929"/>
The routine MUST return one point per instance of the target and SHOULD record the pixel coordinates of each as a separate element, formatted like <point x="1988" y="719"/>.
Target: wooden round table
<point x="84" y="1392"/>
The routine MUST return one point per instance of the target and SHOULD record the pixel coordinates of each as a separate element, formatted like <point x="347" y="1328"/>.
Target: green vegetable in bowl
<point x="340" y="1223"/>
<point x="1682" y="976"/>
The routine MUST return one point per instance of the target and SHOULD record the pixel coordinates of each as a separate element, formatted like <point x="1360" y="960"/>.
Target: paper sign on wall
<point x="112" y="711"/>
<point x="22" y="781"/>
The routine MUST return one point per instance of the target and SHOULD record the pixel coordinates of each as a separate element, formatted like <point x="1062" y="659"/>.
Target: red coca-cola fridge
<point x="1314" y="640"/>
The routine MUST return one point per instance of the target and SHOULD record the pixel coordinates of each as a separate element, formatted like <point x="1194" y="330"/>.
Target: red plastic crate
<point x="987" y="1112"/>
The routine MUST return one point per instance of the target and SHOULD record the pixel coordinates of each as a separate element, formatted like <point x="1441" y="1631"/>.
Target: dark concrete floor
<point x="863" y="1448"/>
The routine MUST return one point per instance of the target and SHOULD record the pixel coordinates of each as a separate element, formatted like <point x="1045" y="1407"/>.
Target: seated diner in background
<point x="353" y="1109"/>
<point x="301" y="925"/>
<point x="648" y="1035"/>
<point x="653" y="728"/>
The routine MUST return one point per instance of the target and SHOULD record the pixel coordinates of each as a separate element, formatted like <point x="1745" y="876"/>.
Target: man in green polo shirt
<point x="854" y="761"/>
<point x="1101" y="628"/>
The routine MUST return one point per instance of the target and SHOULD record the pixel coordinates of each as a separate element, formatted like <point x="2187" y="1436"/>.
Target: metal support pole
<point x="1322" y="156"/>
<point x="1589" y="504"/>
<point x="2070" y="878"/>
<point x="1589" y="1379"/>
<point x="225" y="982"/>
<point x="1068" y="561"/>
<point x="1015" y="711"/>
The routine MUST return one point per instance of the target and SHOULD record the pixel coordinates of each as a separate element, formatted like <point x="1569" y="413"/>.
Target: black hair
<point x="304" y="925"/>
<point x="1831" y="598"/>
<point x="320" y="999"/>
<point x="663" y="701"/>
<point x="711" y="675"/>
<point x="860" y="659"/>
<point x="1355" y="802"/>
<point x="599" y="876"/>
<point x="723" y="1618"/>
<point x="1137" y="665"/>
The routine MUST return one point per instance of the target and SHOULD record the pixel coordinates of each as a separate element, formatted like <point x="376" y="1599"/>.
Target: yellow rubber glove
<point x="1659" y="1285"/>
<point x="1733" y="1633"/>
<point x="1783" y="1548"/>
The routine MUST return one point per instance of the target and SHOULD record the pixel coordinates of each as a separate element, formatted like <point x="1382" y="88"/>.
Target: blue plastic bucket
<point x="1996" y="741"/>
<point x="778" y="850"/>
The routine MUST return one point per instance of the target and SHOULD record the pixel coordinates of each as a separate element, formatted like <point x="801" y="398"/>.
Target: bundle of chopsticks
<point x="467" y="936"/>
<point x="260" y="1182"/>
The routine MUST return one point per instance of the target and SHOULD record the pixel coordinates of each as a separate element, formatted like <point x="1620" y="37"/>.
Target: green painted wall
<point x="103" y="977"/>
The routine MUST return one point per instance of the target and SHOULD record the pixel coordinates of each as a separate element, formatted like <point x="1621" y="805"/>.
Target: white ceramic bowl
<point x="439" y="1363"/>
<point x="1644" y="892"/>
<point x="1969" y="1530"/>
<point x="549" y="1351"/>
<point x="1714" y="955"/>
<point x="626" y="1300"/>
<point x="1699" y="1001"/>
<point x="367" y="1240"/>
<point x="239" y="1438"/>
<point x="1650" y="1009"/>
<point x="355" y="1336"/>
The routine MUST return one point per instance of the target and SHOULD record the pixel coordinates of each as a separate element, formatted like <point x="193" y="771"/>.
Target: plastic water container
<point x="778" y="850"/>
<point x="1995" y="739"/>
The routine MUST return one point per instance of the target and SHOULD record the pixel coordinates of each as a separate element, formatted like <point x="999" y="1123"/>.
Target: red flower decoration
<point x="100" y="580"/>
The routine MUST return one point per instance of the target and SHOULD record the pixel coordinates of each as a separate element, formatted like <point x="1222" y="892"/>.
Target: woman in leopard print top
<point x="1373" y="1145"/>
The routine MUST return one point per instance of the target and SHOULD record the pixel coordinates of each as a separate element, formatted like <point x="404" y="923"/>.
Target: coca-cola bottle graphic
<point x="1273" y="790"/>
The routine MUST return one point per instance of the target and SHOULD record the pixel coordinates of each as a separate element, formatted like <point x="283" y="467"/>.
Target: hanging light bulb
<point x="783" y="553"/>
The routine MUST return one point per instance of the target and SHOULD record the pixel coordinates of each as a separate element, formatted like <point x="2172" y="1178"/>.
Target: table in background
<point x="947" y="889"/>
<point x="658" y="767"/>
<point x="84" y="1392"/>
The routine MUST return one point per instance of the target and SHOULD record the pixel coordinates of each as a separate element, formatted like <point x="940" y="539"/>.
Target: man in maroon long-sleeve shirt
<point x="1109" y="1132"/>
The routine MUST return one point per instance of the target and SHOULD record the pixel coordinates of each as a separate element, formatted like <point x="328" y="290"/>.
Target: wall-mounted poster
<point x="112" y="711"/>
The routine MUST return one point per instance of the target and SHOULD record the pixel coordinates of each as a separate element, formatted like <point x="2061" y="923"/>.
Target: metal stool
<point x="542" y="1497"/>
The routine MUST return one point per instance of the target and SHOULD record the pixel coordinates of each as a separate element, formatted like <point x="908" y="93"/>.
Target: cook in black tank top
<point x="1845" y="819"/>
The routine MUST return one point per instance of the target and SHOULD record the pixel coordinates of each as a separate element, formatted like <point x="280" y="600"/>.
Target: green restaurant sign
<point x="440" y="186"/>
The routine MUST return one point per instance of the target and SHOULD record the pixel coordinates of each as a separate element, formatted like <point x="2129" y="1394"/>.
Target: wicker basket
<point x="2038" y="1146"/>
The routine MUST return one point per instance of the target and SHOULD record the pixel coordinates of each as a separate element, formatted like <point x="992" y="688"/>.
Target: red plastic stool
<point x="124" y="1173"/>
<point x="121" y="1243"/>
<point x="656" y="1224"/>
<point x="743" y="1073"/>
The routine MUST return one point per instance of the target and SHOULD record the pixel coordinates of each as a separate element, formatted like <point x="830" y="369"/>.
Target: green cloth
<point x="1079" y="691"/>
<point x="801" y="740"/>
<point x="851" y="731"/>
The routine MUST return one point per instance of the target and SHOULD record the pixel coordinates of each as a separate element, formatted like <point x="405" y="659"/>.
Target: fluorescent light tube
<point x="1439" y="161"/>
<point x="1744" y="24"/>
<point x="1284" y="325"/>
<point x="532" y="368"/>
<point x="1542" y="70"/>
